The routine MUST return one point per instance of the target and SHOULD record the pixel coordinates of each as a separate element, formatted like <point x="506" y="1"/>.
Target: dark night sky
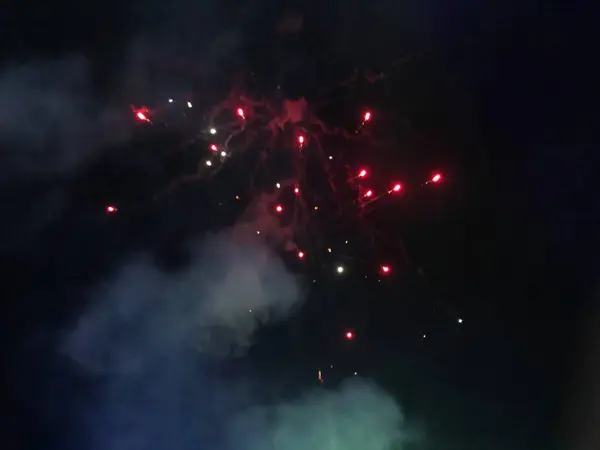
<point x="498" y="95"/>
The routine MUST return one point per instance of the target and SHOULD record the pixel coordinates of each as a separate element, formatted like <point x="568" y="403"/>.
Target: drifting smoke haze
<point x="148" y="335"/>
<point x="356" y="416"/>
<point x="54" y="120"/>
<point x="50" y="122"/>
<point x="260" y="223"/>
<point x="52" y="126"/>
<point x="229" y="285"/>
<point x="149" y="341"/>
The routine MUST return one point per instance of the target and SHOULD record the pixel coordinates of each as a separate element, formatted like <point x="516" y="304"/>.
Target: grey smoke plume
<point x="49" y="121"/>
<point x="260" y="224"/>
<point x="214" y="304"/>
<point x="357" y="416"/>
<point x="146" y="334"/>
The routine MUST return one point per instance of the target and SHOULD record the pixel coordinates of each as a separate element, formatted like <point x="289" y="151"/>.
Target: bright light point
<point x="249" y="310"/>
<point x="362" y="173"/>
<point x="330" y="158"/>
<point x="355" y="373"/>
<point x="436" y="178"/>
<point x="214" y="147"/>
<point x="189" y="104"/>
<point x="346" y="242"/>
<point x="237" y="197"/>
<point x="397" y="187"/>
<point x="257" y="232"/>
<point x="208" y="163"/>
<point x="223" y="154"/>
<point x="111" y="209"/>
<point x="240" y="113"/>
<point x="300" y="140"/>
<point x="349" y="335"/>
<point x="460" y="320"/>
<point x="329" y="250"/>
<point x="279" y="208"/>
<point x="367" y="116"/>
<point x="170" y="100"/>
<point x="316" y="208"/>
<point x="296" y="190"/>
<point x="300" y="254"/>
<point x="340" y="269"/>
<point x="424" y="336"/>
<point x="385" y="270"/>
<point x="369" y="193"/>
<point x="213" y="131"/>
<point x="278" y="186"/>
<point x="141" y="114"/>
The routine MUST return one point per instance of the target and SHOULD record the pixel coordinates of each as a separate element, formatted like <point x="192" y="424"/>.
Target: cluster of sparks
<point x="367" y="195"/>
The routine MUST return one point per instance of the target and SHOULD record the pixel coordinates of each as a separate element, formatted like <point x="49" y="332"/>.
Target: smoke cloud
<point x="230" y="286"/>
<point x="357" y="416"/>
<point x="154" y="339"/>
<point x="50" y="122"/>
<point x="148" y="341"/>
<point x="260" y="224"/>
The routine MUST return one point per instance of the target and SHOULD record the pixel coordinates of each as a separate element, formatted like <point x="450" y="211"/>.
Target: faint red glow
<point x="367" y="116"/>
<point x="297" y="190"/>
<point x="240" y="113"/>
<point x="369" y="193"/>
<point x="385" y="270"/>
<point x="214" y="147"/>
<point x="436" y="178"/>
<point x="362" y="173"/>
<point x="397" y="187"/>
<point x="349" y="335"/>
<point x="111" y="209"/>
<point x="301" y="140"/>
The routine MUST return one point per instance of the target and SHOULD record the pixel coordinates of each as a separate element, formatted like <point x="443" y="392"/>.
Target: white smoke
<point x="146" y="334"/>
<point x="358" y="416"/>
<point x="214" y="304"/>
